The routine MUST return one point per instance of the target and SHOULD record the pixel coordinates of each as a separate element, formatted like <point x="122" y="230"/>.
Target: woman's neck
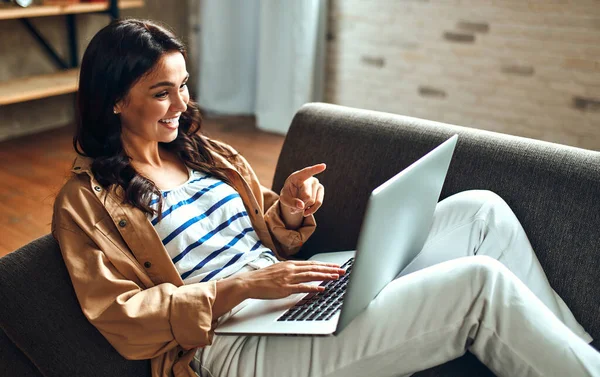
<point x="146" y="154"/>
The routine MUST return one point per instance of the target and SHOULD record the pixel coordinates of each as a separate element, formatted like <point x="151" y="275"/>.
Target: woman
<point x="165" y="231"/>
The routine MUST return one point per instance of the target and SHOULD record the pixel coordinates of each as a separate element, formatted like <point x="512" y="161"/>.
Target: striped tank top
<point x="206" y="229"/>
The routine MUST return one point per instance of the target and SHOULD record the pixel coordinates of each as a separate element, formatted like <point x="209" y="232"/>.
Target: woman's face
<point x="150" y="111"/>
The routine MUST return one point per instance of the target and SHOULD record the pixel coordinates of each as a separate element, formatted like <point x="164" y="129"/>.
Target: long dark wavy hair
<point x="116" y="58"/>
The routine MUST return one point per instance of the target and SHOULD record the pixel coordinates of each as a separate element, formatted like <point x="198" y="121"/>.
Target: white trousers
<point x="476" y="285"/>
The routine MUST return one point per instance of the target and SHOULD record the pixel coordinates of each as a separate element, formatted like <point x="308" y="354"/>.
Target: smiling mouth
<point x="169" y="120"/>
<point x="171" y="123"/>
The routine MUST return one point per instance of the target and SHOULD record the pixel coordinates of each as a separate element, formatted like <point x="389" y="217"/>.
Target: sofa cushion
<point x="41" y="315"/>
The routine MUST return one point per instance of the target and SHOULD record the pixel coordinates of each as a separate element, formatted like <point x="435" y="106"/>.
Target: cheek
<point x="151" y="112"/>
<point x="139" y="117"/>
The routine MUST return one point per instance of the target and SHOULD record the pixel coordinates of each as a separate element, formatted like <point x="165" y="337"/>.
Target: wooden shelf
<point x="8" y="12"/>
<point x="41" y="86"/>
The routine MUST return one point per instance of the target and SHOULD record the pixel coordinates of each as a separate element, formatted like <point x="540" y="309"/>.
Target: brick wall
<point x="524" y="67"/>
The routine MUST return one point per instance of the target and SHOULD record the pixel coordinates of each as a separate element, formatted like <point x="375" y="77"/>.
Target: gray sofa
<point x="553" y="189"/>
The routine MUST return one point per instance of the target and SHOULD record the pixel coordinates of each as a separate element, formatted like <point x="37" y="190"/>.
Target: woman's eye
<point x="166" y="92"/>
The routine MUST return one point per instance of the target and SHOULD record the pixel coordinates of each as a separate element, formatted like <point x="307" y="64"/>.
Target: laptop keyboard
<point x="321" y="306"/>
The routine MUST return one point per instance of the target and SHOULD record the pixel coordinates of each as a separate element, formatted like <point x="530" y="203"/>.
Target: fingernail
<point x="300" y="205"/>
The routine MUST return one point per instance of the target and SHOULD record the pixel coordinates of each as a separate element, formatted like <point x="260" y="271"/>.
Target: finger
<point x="304" y="174"/>
<point x="318" y="269"/>
<point x="307" y="288"/>
<point x="307" y="191"/>
<point x="288" y="197"/>
<point x="331" y="268"/>
<point x="306" y="194"/>
<point x="314" y="276"/>
<point x="296" y="204"/>
<point x="315" y="266"/>
<point x="320" y="194"/>
<point x="312" y="263"/>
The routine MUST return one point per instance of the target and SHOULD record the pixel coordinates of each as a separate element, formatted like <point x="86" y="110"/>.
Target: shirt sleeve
<point x="139" y="323"/>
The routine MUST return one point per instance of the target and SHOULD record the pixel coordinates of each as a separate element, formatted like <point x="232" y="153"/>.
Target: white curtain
<point x="261" y="57"/>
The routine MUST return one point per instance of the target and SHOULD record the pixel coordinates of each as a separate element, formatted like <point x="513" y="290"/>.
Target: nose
<point x="179" y="104"/>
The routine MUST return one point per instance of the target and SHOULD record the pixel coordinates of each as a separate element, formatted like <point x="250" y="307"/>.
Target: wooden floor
<point x="33" y="169"/>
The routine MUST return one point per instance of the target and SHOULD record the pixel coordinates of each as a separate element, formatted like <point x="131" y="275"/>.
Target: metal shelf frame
<point x="113" y="11"/>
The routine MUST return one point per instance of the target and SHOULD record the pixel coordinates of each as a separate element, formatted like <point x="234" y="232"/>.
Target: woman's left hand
<point x="301" y="195"/>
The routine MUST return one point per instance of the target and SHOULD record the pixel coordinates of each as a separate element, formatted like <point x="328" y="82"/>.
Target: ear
<point x="118" y="107"/>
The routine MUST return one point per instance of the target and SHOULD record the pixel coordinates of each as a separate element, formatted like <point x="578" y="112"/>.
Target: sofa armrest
<point x="13" y="362"/>
<point x="41" y="316"/>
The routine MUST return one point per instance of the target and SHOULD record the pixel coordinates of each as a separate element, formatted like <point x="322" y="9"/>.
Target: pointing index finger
<point x="304" y="174"/>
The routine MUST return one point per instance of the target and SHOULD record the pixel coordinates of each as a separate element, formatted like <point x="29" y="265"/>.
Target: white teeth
<point x="171" y="120"/>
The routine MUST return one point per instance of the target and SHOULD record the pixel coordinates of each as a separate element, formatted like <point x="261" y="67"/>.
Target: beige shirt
<point x="125" y="282"/>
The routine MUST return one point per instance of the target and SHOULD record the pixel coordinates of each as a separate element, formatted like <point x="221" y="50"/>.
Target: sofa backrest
<point x="553" y="189"/>
<point x="41" y="316"/>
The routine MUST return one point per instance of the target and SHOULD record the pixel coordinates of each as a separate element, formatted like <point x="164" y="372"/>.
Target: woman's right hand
<point x="285" y="278"/>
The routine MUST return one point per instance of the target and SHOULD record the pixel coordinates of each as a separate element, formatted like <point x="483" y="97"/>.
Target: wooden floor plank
<point x="33" y="168"/>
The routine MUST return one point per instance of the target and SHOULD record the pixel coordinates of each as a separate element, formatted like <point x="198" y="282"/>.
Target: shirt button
<point x="122" y="223"/>
<point x="147" y="264"/>
<point x="256" y="211"/>
<point x="97" y="188"/>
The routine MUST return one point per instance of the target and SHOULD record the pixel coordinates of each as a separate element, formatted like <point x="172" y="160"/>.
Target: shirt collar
<point x="81" y="164"/>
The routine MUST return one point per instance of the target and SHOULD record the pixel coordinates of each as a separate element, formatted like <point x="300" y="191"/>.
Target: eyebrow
<point x="167" y="83"/>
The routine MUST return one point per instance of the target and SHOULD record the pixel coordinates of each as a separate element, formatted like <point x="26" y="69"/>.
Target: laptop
<point x="396" y="224"/>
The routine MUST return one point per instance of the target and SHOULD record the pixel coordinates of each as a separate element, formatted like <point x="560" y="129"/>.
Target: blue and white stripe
<point x="206" y="229"/>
